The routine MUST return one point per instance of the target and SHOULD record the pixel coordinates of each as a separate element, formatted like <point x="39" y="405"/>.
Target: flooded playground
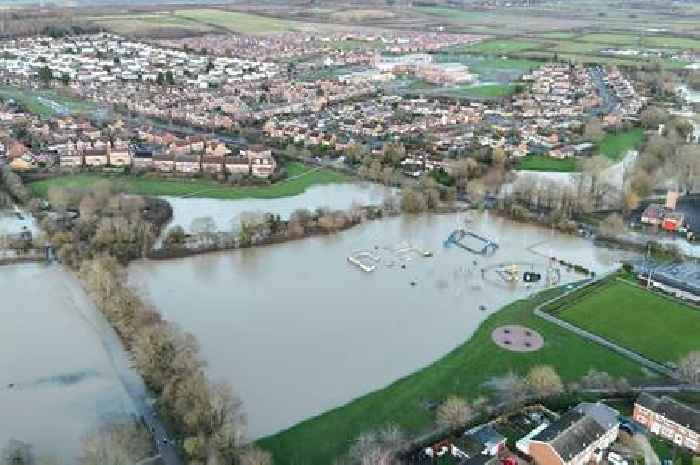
<point x="57" y="378"/>
<point x="326" y="330"/>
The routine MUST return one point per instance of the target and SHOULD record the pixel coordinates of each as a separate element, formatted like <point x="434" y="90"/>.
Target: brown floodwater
<point x="58" y="379"/>
<point x="298" y="330"/>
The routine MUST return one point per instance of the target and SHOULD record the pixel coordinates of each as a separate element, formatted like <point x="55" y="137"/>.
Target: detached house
<point x="668" y="418"/>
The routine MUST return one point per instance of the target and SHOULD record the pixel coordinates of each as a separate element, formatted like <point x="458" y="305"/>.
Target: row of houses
<point x="256" y="160"/>
<point x="584" y="435"/>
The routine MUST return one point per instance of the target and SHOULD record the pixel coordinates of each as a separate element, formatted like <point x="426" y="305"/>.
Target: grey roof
<point x="606" y="416"/>
<point x="571" y="434"/>
<point x="672" y="409"/>
<point x="488" y="435"/>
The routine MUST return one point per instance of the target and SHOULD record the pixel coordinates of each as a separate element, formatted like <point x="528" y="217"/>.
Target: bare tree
<point x="17" y="453"/>
<point x="689" y="368"/>
<point x="377" y="447"/>
<point x="453" y="412"/>
<point x="116" y="444"/>
<point x="544" y="381"/>
<point x="253" y="455"/>
<point x="612" y="225"/>
<point x="510" y="388"/>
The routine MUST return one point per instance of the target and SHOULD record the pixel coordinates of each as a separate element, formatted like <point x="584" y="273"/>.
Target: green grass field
<point x="648" y="323"/>
<point x="244" y="23"/>
<point x="46" y="103"/>
<point x="545" y="163"/>
<point x="493" y="47"/>
<point x="302" y="179"/>
<point x="615" y="145"/>
<point x="320" y="440"/>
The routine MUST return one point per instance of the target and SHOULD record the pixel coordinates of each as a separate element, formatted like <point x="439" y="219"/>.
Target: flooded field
<point x="298" y="329"/>
<point x="58" y="379"/>
<point x="334" y="196"/>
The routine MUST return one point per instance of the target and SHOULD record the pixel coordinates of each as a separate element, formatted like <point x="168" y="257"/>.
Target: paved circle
<point x="517" y="338"/>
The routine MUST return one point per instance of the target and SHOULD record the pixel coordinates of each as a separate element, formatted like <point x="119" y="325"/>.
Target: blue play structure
<point x="472" y="242"/>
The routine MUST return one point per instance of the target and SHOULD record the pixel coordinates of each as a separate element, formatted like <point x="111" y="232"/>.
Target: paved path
<point x="634" y="356"/>
<point x="128" y="376"/>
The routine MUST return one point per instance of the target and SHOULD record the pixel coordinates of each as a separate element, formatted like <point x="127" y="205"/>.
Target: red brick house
<point x="670" y="419"/>
<point x="578" y="437"/>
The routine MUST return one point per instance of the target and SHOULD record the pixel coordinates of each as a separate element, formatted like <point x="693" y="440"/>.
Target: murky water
<point x="223" y="212"/>
<point x="299" y="330"/>
<point x="57" y="379"/>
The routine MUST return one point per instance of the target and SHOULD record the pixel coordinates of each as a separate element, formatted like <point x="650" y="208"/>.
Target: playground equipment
<point x="472" y="242"/>
<point x="364" y="260"/>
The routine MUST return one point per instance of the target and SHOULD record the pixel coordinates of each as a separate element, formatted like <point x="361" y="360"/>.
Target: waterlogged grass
<point x="615" y="145"/>
<point x="546" y="163"/>
<point x="320" y="440"/>
<point x="46" y="103"/>
<point x="648" y="323"/>
<point x="299" y="179"/>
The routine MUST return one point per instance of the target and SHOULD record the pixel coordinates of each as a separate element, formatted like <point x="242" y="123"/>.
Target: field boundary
<point x="593" y="286"/>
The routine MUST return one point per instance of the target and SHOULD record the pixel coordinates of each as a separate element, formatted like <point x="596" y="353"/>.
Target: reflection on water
<point x="56" y="381"/>
<point x="299" y="330"/>
<point x="223" y="212"/>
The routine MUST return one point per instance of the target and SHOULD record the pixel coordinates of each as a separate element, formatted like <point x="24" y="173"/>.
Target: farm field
<point x="545" y="163"/>
<point x="151" y="24"/>
<point x="650" y="324"/>
<point x="300" y="179"/>
<point x="463" y="372"/>
<point x="615" y="145"/>
<point x="234" y="21"/>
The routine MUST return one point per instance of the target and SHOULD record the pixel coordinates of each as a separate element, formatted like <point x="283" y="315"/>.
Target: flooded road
<point x="223" y="212"/>
<point x="58" y="380"/>
<point x="299" y="330"/>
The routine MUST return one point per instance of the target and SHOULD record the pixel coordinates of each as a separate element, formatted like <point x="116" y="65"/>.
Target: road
<point x="121" y="363"/>
<point x="610" y="102"/>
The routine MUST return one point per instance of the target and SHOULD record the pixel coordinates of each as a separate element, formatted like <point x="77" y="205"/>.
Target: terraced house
<point x="670" y="419"/>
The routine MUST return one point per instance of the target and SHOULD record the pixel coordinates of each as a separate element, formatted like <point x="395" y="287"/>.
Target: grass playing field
<point x="615" y="145"/>
<point x="320" y="440"/>
<point x="650" y="324"/>
<point x="545" y="163"/>
<point x="299" y="179"/>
